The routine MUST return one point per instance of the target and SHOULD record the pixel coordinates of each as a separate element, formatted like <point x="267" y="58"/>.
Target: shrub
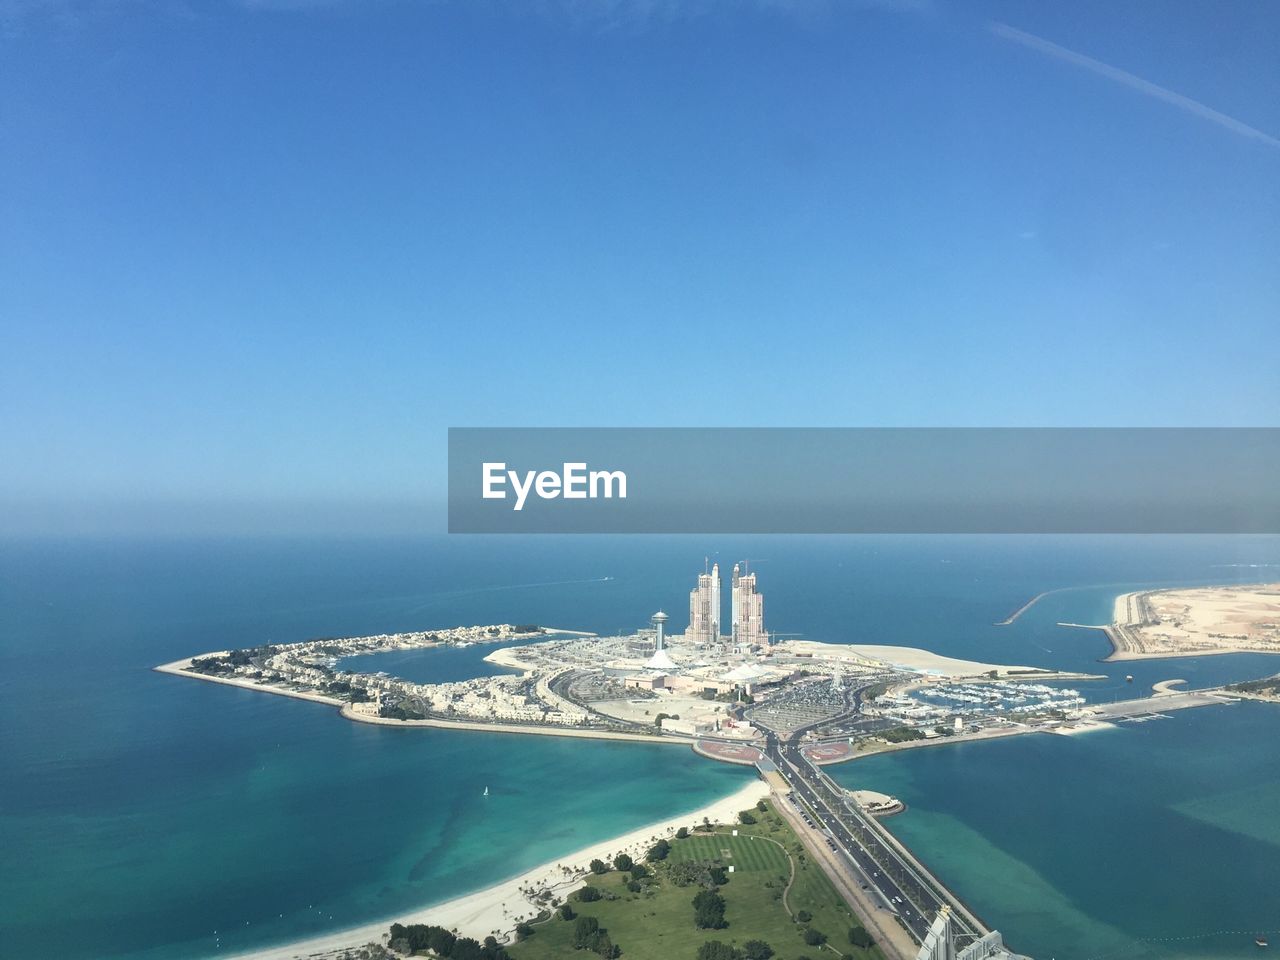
<point x="859" y="937"/>
<point x="715" y="950"/>
<point x="584" y="931"/>
<point x="441" y="941"/>
<point x="466" y="948"/>
<point x="695" y="873"/>
<point x="708" y="910"/>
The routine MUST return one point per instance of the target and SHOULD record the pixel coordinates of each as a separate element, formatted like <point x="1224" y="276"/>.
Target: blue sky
<point x="268" y="252"/>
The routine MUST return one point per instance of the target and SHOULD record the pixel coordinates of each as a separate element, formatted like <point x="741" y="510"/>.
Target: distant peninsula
<point x="1198" y="621"/>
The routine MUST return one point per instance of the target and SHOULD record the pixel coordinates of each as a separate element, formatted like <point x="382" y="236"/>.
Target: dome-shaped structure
<point x="660" y="661"/>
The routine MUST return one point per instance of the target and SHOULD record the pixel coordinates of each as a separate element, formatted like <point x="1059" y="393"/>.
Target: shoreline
<point x="1100" y="717"/>
<point x="503" y="904"/>
<point x="181" y="668"/>
<point x="483" y="727"/>
<point x="1121" y="654"/>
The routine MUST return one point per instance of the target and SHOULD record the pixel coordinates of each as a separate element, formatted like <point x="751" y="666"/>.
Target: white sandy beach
<point x="501" y="906"/>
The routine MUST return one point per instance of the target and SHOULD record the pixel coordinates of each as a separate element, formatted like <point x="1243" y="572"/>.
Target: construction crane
<point x="774" y="635"/>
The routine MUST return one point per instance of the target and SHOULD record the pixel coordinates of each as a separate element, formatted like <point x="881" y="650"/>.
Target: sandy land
<point x="907" y="658"/>
<point x="182" y="668"/>
<point x="1077" y="727"/>
<point x="501" y="906"/>
<point x="508" y="657"/>
<point x="1197" y="621"/>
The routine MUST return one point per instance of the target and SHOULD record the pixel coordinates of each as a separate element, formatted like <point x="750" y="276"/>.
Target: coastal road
<point x="902" y="886"/>
<point x="895" y="942"/>
<point x="861" y="853"/>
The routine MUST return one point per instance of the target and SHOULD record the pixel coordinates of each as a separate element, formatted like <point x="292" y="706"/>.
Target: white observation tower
<point x="659" y="660"/>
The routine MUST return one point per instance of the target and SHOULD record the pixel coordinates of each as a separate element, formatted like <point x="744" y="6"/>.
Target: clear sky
<point x="265" y="253"/>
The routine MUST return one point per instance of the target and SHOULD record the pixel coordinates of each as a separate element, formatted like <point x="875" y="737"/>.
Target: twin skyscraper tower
<point x="746" y="610"/>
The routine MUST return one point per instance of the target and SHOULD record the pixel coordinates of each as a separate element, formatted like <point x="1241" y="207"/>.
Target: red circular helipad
<point x="728" y="752"/>
<point x="829" y="752"/>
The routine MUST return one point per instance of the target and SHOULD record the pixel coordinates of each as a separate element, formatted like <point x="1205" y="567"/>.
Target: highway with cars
<point x="896" y="883"/>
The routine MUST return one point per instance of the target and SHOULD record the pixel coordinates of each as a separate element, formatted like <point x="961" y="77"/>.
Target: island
<point x="794" y="861"/>
<point x="646" y="686"/>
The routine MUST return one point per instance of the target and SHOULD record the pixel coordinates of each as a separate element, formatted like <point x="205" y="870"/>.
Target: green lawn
<point x="743" y="852"/>
<point x="658" y="924"/>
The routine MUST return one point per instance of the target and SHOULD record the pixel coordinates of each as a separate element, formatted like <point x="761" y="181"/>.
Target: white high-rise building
<point x="748" y="611"/>
<point x="704" y="608"/>
<point x="715" y="603"/>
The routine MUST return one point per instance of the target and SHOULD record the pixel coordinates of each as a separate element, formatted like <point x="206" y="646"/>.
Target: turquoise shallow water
<point x="151" y="811"/>
<point x="297" y="821"/>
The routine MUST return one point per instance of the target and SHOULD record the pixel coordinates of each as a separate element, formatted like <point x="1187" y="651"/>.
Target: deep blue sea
<point x="140" y="813"/>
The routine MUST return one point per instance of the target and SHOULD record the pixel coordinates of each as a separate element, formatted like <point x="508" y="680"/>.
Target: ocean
<point x="144" y="815"/>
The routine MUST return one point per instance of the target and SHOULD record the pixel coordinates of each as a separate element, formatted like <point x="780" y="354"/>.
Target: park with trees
<point x="683" y="903"/>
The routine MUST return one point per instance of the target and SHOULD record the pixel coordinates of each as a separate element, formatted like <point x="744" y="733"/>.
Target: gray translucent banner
<point x="819" y="480"/>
